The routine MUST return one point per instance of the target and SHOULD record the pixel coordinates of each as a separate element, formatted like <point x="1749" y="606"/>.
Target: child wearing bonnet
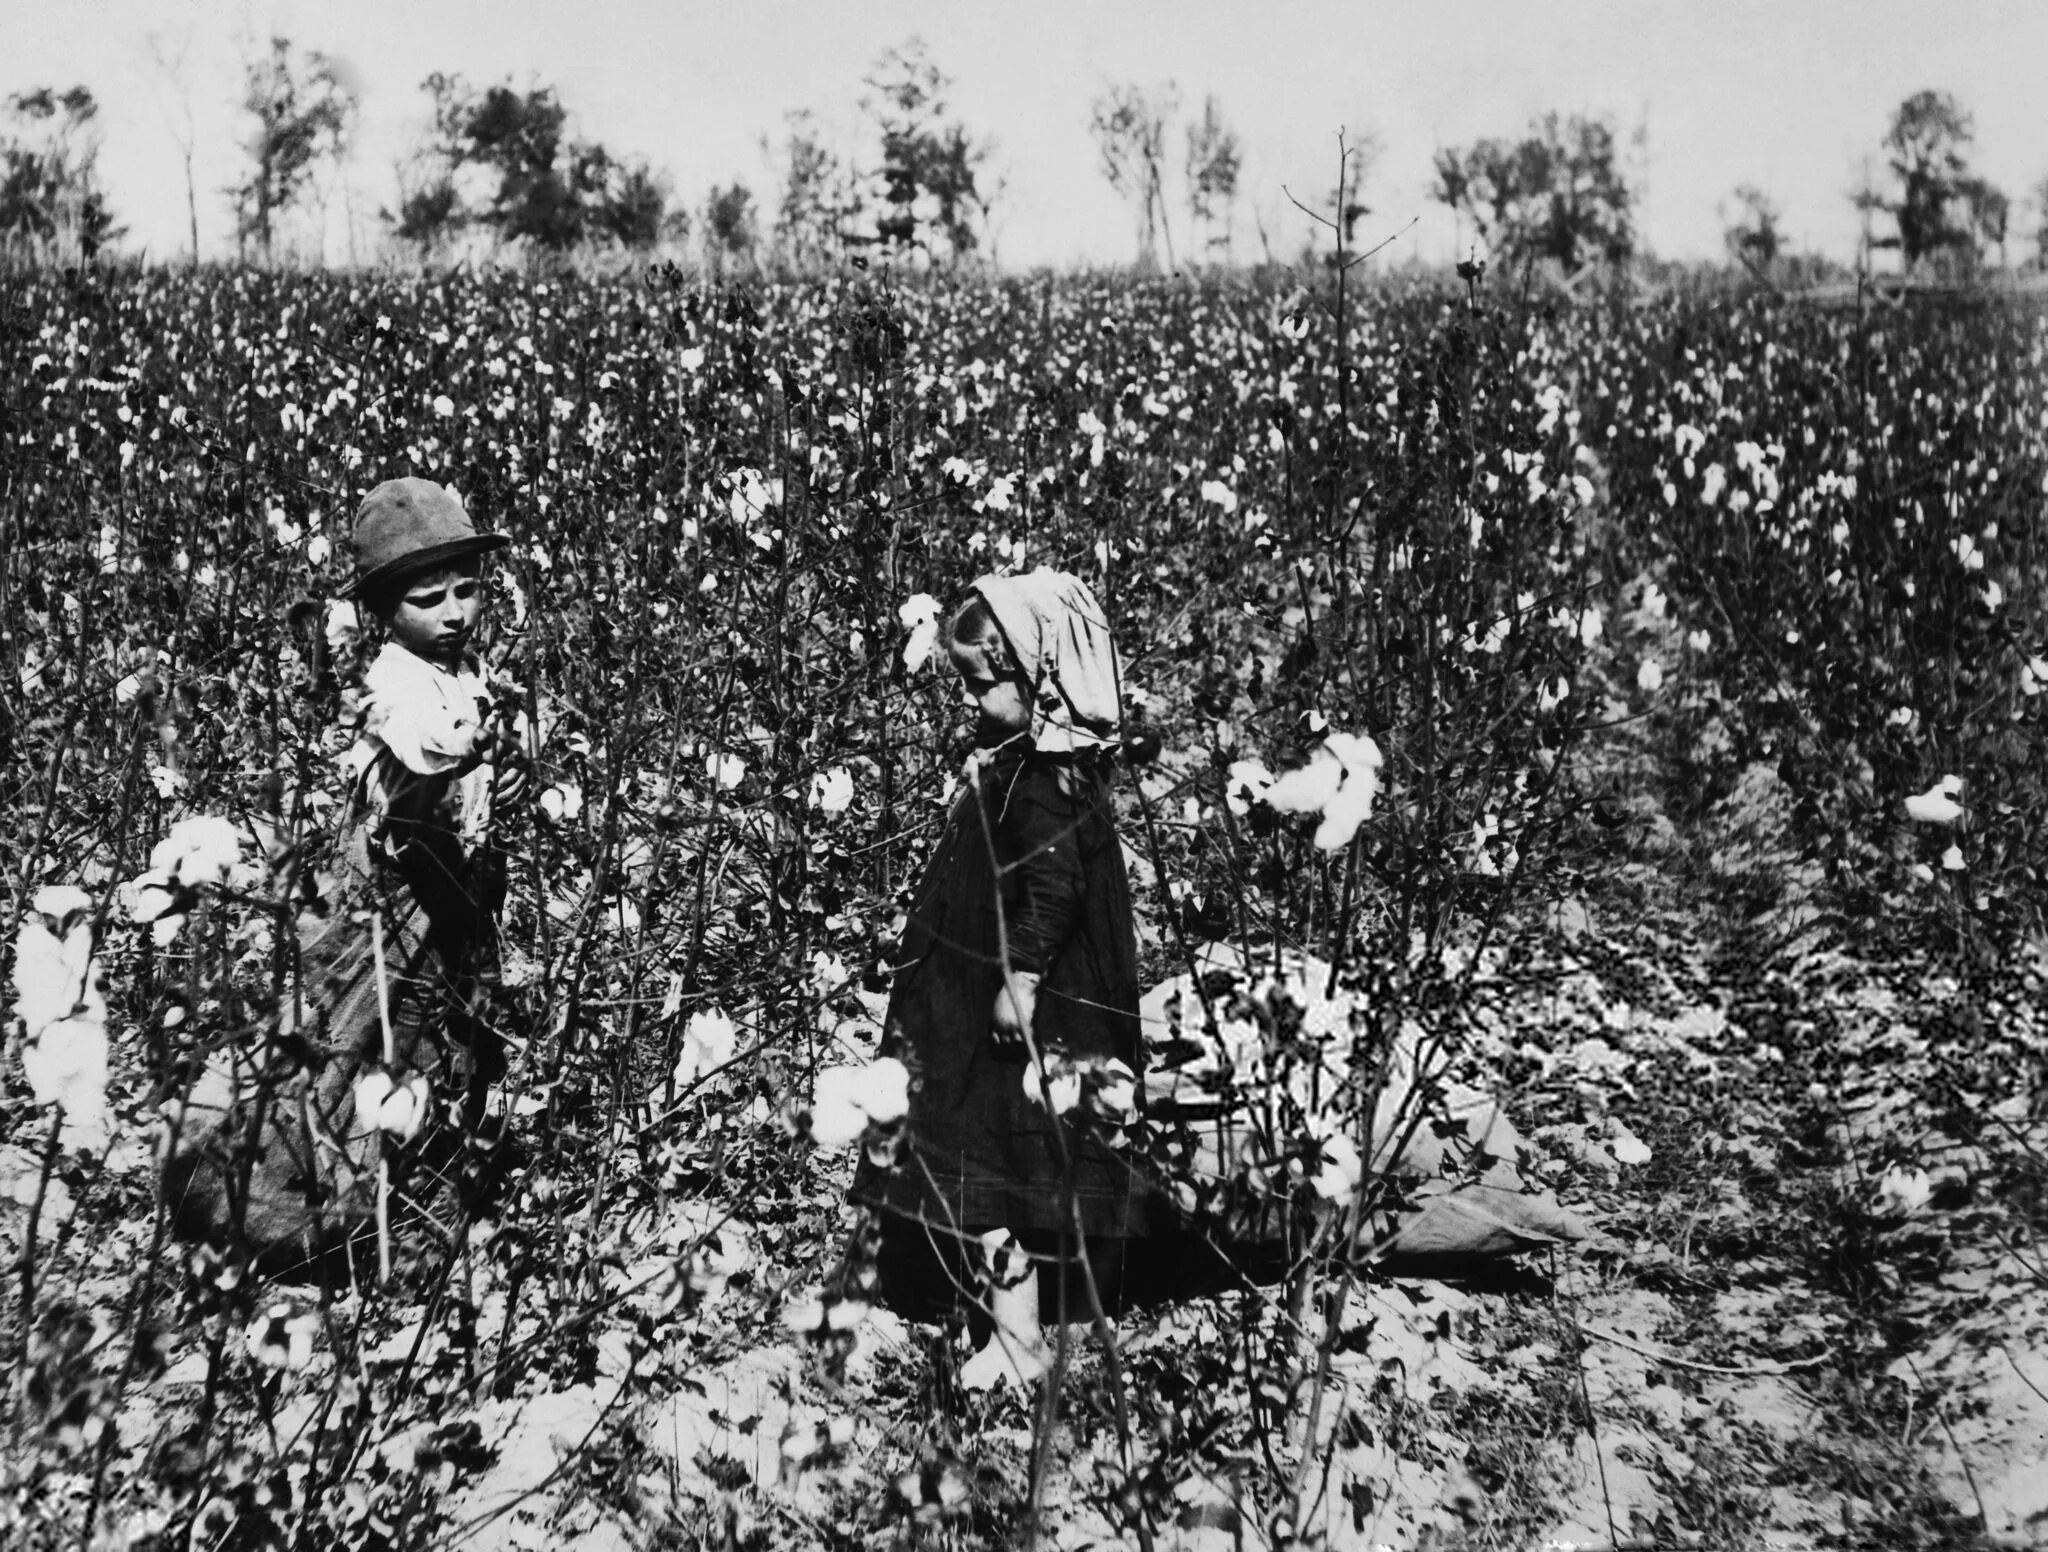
<point x="1019" y="948"/>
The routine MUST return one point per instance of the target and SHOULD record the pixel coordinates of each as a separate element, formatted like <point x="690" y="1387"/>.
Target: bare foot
<point x="1022" y="1359"/>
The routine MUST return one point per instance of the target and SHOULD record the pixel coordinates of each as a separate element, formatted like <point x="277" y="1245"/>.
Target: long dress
<point x="1029" y="861"/>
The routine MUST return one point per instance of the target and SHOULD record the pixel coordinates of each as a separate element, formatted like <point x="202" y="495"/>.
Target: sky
<point x="1790" y="96"/>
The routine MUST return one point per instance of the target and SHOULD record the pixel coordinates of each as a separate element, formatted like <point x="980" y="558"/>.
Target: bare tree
<point x="170" y="63"/>
<point x="1129" y="124"/>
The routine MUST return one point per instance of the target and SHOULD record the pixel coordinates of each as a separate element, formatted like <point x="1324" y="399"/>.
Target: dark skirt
<point x="1029" y="868"/>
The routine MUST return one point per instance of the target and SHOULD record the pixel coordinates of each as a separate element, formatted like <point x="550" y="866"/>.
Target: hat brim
<point x="423" y="560"/>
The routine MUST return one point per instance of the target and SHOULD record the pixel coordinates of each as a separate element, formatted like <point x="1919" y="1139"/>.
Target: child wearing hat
<point x="386" y="1014"/>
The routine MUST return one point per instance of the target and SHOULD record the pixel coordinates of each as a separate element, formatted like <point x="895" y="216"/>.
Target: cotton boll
<point x="883" y="1092"/>
<point x="342" y="627"/>
<point x="832" y="791"/>
<point x="1058" y="1090"/>
<point x="198" y="850"/>
<point x="919" y="615"/>
<point x="371" y="1090"/>
<point x="1248" y="782"/>
<point x="709" y="1040"/>
<point x="1342" y="1172"/>
<point x="1309" y="789"/>
<point x="1339" y="782"/>
<point x="67" y="1065"/>
<point x="835" y="1121"/>
<point x="1937" y="805"/>
<point x="1903" y="1192"/>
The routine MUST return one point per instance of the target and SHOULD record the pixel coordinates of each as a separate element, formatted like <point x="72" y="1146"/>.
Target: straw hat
<point x="407" y="526"/>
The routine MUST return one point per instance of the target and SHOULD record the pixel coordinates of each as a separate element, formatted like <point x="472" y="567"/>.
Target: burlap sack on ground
<point x="1245" y="1055"/>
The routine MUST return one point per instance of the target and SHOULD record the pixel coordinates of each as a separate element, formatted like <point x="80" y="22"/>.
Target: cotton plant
<point x="200" y="852"/>
<point x="1339" y="784"/>
<point x="850" y="1100"/>
<point x="62" y="1005"/>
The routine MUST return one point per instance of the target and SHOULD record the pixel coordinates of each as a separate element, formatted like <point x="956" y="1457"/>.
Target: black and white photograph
<point x="899" y="776"/>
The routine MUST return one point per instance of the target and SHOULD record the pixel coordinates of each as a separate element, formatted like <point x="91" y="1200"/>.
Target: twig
<point x="1753" y="1370"/>
<point x="390" y="1050"/>
<point x="1592" y="1418"/>
<point x="35" y="1218"/>
<point x="2022" y="1373"/>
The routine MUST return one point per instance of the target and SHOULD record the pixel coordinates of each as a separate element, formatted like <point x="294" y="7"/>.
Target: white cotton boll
<point x="836" y="1118"/>
<point x="1358" y="757"/>
<point x="1952" y="859"/>
<point x="998" y="497"/>
<point x="1058" y="1091"/>
<point x="278" y="1339"/>
<point x="67" y="1065"/>
<point x="828" y="972"/>
<point x="1342" y="1172"/>
<point x="1309" y="789"/>
<point x="318" y="548"/>
<point x="129" y="687"/>
<point x="2034" y="677"/>
<point x="1937" y="805"/>
<point x="562" y="803"/>
<point x="443" y="405"/>
<point x="832" y="791"/>
<point x="150" y="895"/>
<point x="919" y="615"/>
<point x="198" y="850"/>
<point x="343" y="627"/>
<point x="1902" y="1192"/>
<point x="54" y="976"/>
<point x="405" y="1109"/>
<point x="726" y="769"/>
<point x="1216" y="493"/>
<point x="1650" y="676"/>
<point x="371" y="1090"/>
<point x="60" y="903"/>
<point x="1248" y="782"/>
<point x="1551" y="694"/>
<point x="1339" y="782"/>
<point x="1116" y="1094"/>
<point x="709" y="1040"/>
<point x="398" y="1109"/>
<point x="883" y="1092"/>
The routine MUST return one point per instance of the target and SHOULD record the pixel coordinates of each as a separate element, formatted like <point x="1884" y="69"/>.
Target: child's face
<point x="437" y="613"/>
<point x="998" y="692"/>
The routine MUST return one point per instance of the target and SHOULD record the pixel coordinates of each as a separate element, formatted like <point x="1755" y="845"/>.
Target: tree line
<point x="504" y="165"/>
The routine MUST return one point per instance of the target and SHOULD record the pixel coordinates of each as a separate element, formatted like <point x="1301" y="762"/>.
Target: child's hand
<point x="511" y="769"/>
<point x="510" y="785"/>
<point x="1016" y="1007"/>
